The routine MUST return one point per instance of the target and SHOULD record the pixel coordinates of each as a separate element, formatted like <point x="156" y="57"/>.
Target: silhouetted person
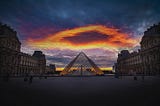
<point x="30" y="79"/>
<point x="117" y="75"/>
<point x="31" y="74"/>
<point x="40" y="76"/>
<point x="135" y="76"/>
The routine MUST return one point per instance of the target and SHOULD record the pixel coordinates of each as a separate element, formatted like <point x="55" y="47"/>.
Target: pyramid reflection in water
<point x="81" y="65"/>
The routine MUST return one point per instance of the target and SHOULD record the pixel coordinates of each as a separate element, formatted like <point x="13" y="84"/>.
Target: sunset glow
<point x="62" y="29"/>
<point x="102" y="68"/>
<point x="114" y="38"/>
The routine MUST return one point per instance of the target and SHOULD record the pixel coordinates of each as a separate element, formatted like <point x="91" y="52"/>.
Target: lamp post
<point x="81" y="69"/>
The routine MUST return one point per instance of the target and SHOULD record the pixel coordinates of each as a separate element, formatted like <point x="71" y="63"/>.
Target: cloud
<point x="103" y="58"/>
<point x="60" y="57"/>
<point x="113" y="38"/>
<point x="131" y="16"/>
<point x="86" y="38"/>
<point x="44" y="18"/>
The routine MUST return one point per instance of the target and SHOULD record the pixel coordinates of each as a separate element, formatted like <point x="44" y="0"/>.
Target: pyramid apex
<point x="81" y="52"/>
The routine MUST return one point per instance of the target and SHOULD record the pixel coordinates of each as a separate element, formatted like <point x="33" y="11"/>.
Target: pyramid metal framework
<point x="81" y="64"/>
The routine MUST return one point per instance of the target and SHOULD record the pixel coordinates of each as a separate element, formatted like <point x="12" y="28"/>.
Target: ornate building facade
<point x="150" y="50"/>
<point x="146" y="60"/>
<point x="12" y="60"/>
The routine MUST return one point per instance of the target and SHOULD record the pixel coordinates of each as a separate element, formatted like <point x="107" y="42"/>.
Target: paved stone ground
<point x="81" y="91"/>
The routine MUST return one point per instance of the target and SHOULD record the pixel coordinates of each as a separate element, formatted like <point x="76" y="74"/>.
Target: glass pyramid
<point x="81" y="65"/>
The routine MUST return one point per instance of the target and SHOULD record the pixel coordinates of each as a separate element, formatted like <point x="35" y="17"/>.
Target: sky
<point x="63" y="28"/>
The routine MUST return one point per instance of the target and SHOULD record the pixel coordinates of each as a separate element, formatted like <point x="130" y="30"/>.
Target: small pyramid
<point x="81" y="65"/>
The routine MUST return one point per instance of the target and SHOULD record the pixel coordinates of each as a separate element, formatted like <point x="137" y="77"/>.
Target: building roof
<point x="7" y="32"/>
<point x="153" y="31"/>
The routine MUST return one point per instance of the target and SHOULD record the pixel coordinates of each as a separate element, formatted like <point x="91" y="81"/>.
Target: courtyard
<point x="68" y="91"/>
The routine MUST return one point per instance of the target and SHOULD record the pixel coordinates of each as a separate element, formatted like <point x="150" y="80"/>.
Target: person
<point x="135" y="77"/>
<point x="40" y="76"/>
<point x="117" y="75"/>
<point x="30" y="79"/>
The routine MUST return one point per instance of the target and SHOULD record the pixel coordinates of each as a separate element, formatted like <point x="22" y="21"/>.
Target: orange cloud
<point x="115" y="38"/>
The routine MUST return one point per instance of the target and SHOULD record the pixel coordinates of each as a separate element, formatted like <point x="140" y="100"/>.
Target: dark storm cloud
<point x="59" y="61"/>
<point x="60" y="57"/>
<point x="38" y="18"/>
<point x="126" y="14"/>
<point x="62" y="60"/>
<point x="86" y="37"/>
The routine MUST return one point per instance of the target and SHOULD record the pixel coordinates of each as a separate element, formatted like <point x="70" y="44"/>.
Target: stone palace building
<point x="12" y="60"/>
<point x="147" y="60"/>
